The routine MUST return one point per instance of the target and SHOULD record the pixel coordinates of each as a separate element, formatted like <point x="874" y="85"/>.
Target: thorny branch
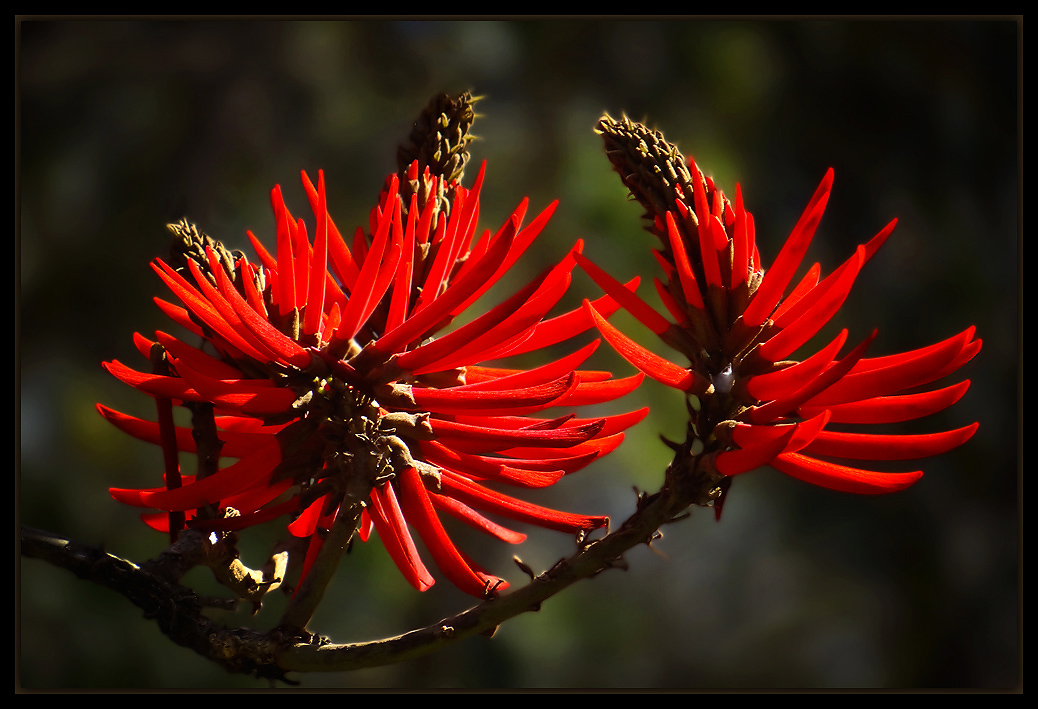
<point x="153" y="587"/>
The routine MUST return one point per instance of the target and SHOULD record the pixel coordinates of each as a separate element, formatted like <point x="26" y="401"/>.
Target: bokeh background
<point x="124" y="126"/>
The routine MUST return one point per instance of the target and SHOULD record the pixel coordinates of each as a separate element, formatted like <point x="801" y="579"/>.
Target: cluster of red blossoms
<point x="750" y="404"/>
<point x="327" y="387"/>
<point x="327" y="384"/>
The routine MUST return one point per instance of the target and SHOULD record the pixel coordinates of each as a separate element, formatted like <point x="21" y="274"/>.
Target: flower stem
<point x="308" y="596"/>
<point x="684" y="487"/>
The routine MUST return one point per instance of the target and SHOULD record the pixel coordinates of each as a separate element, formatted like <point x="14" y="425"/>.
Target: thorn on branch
<point x="524" y="567"/>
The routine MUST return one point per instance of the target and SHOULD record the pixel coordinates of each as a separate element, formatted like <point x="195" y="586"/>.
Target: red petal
<point x="652" y="364"/>
<point x="781" y="407"/>
<point x="284" y="288"/>
<point x="504" y="337"/>
<point x="588" y="393"/>
<point x="598" y="446"/>
<point x="462" y="400"/>
<point x="816" y="313"/>
<point x="475" y="466"/>
<point x="235" y="444"/>
<point x="781" y="272"/>
<point x="761" y="444"/>
<point x="469" y="516"/>
<point x="392" y="530"/>
<point x="419" y="510"/>
<point x="635" y="305"/>
<point x="786" y="382"/>
<point x="479" y="439"/>
<point x="781" y="316"/>
<point x="686" y="277"/>
<point x="516" y="379"/>
<point x="899" y="373"/>
<point x="375" y="276"/>
<point x="893" y="409"/>
<point x="563" y="327"/>
<point x="154" y="384"/>
<point x="400" y="302"/>
<point x="870" y="446"/>
<point x="234" y="479"/>
<point x="197" y="359"/>
<point x="265" y="336"/>
<point x="521" y="242"/>
<point x="743" y="460"/>
<point x="341" y="258"/>
<point x="178" y="315"/>
<point x="491" y="501"/>
<point x="318" y="264"/>
<point x="842" y="478"/>
<point x="207" y="311"/>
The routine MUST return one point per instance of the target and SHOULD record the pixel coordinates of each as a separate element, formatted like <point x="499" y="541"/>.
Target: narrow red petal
<point x="363" y="297"/>
<point x="568" y="325"/>
<point x="197" y="359"/>
<point x="816" y="316"/>
<point x="536" y="376"/>
<point x="493" y="327"/>
<point x="635" y="305"/>
<point x="236" y="478"/>
<point x="871" y="446"/>
<point x="469" y="516"/>
<point x="463" y="400"/>
<point x="154" y="384"/>
<point x="479" y="439"/>
<point x="843" y="478"/>
<point x="903" y="372"/>
<point x="474" y="466"/>
<point x="392" y="530"/>
<point x="781" y="407"/>
<point x="519" y="244"/>
<point x="751" y="457"/>
<point x="686" y="277"/>
<point x="786" y="382"/>
<point x="893" y="409"/>
<point x="792" y="253"/>
<point x="491" y="501"/>
<point x="518" y="324"/>
<point x="423" y="320"/>
<point x="263" y="335"/>
<point x="648" y="362"/>
<point x="419" y="510"/>
<point x="318" y="265"/>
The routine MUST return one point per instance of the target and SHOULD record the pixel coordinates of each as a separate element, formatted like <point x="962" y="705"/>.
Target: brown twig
<point x="178" y="610"/>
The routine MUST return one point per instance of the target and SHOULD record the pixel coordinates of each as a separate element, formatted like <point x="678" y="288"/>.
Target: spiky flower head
<point x="751" y="403"/>
<point x="325" y="381"/>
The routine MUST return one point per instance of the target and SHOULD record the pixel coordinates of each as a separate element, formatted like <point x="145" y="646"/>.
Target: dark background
<point x="124" y="126"/>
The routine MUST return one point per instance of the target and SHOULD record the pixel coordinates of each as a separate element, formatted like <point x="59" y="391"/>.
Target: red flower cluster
<point x="750" y="404"/>
<point x="324" y="383"/>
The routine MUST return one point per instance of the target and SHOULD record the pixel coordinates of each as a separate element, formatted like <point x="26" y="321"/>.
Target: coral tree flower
<point x="751" y="403"/>
<point x="329" y="378"/>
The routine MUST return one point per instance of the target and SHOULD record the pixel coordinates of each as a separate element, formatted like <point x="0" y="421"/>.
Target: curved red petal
<point x="648" y="362"/>
<point x="874" y="446"/>
<point x="841" y="477"/>
<point x="893" y="409"/>
<point x="419" y="510"/>
<point x="389" y="522"/>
